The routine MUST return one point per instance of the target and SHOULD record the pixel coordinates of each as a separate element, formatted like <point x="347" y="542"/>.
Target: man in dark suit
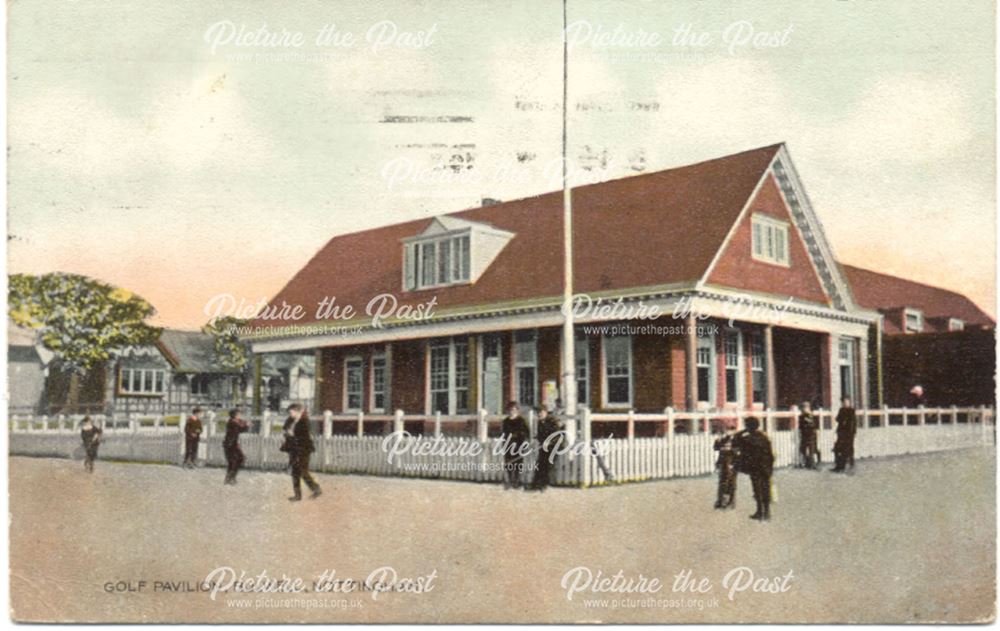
<point x="847" y="426"/>
<point x="231" y="444"/>
<point x="548" y="428"/>
<point x="192" y="436"/>
<point x="756" y="460"/>
<point x="299" y="445"/>
<point x="808" y="423"/>
<point x="513" y="430"/>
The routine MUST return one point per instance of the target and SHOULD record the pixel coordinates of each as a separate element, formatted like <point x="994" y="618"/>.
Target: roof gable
<point x="737" y="268"/>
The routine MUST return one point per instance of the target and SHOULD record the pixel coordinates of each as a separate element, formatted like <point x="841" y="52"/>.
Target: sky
<point x="195" y="148"/>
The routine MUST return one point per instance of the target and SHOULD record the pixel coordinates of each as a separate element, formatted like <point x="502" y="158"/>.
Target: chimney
<point x="490" y="201"/>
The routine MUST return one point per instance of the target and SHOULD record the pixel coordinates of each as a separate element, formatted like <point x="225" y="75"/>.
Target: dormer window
<point x="955" y="324"/>
<point x="443" y="261"/>
<point x="770" y="240"/>
<point x="913" y="320"/>
<point x="450" y="251"/>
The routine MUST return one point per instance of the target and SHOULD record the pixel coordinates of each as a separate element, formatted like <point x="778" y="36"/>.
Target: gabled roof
<point x="651" y="230"/>
<point x="190" y="351"/>
<point x="24" y="337"/>
<point x="889" y="293"/>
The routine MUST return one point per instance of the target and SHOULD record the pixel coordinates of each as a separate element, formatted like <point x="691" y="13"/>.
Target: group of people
<point x="843" y="448"/>
<point x="298" y="444"/>
<point x="749" y="451"/>
<point x="514" y="429"/>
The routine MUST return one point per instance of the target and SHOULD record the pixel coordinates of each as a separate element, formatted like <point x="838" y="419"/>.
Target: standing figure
<point x="91" y="435"/>
<point x="299" y="445"/>
<point x="513" y="429"/>
<point x="231" y="444"/>
<point x="548" y="440"/>
<point x="756" y="460"/>
<point x="807" y="435"/>
<point x="192" y="436"/>
<point x="847" y="427"/>
<point x="726" y="464"/>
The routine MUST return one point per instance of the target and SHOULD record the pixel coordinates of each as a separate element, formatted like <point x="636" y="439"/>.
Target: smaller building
<point x="179" y="371"/>
<point x="27" y="368"/>
<point x="932" y="337"/>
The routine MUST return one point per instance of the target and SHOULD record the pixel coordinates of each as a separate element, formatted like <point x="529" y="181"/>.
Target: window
<point x="846" y="360"/>
<point x="731" y="345"/>
<point x="461" y="354"/>
<point x="353" y="384"/>
<point x="449" y="376"/>
<point x="704" y="360"/>
<point x="526" y="367"/>
<point x="141" y="381"/>
<point x="437" y="262"/>
<point x="379" y="383"/>
<point x="440" y="377"/>
<point x="954" y="324"/>
<point x="581" y="353"/>
<point x="758" y="376"/>
<point x="770" y="240"/>
<point x="913" y="320"/>
<point x="199" y="384"/>
<point x="618" y="371"/>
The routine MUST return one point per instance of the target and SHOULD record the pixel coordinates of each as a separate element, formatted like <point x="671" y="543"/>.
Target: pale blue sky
<point x="140" y="157"/>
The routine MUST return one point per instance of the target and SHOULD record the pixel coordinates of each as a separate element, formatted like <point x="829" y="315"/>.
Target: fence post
<point x="768" y="421"/>
<point x="361" y="424"/>
<point x="585" y="461"/>
<point x="885" y="416"/>
<point x="631" y="424"/>
<point x="481" y="426"/>
<point x="181" y="425"/>
<point x="921" y="415"/>
<point x="327" y="435"/>
<point x="954" y="415"/>
<point x="670" y="441"/>
<point x="133" y="425"/>
<point x="437" y="424"/>
<point x="397" y="422"/>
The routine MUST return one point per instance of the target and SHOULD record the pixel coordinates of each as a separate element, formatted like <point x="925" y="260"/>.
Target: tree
<point x="230" y="350"/>
<point x="83" y="321"/>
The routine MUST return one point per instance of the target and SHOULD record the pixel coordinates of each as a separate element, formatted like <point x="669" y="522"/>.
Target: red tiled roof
<point x="652" y="229"/>
<point x="873" y="290"/>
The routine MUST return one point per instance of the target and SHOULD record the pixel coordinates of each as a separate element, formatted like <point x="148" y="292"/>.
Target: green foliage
<point x="82" y="320"/>
<point x="231" y="352"/>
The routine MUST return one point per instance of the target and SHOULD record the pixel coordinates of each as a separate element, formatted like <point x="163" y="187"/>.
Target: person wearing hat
<point x="847" y="426"/>
<point x="192" y="436"/>
<point x="231" y="444"/>
<point x="299" y="445"/>
<point x="91" y="436"/>
<point x="756" y="460"/>
<point x="514" y="430"/>
<point x="726" y="464"/>
<point x="548" y="428"/>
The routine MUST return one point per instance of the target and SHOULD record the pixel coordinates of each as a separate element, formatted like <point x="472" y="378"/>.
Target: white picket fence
<point x="684" y="447"/>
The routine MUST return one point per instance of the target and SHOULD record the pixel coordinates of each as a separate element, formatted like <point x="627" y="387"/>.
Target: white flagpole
<point x="568" y="337"/>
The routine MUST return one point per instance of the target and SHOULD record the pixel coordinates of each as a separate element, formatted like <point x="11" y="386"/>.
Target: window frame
<point x="383" y="357"/>
<point x="347" y="381"/>
<point x="736" y="336"/>
<point x="142" y="372"/>
<point x="452" y="389"/>
<point x="708" y="344"/>
<point x="765" y="230"/>
<point x="956" y="324"/>
<point x="447" y="271"/>
<point x="919" y="314"/>
<point x="582" y="393"/>
<point x="519" y="365"/>
<point x="605" y="391"/>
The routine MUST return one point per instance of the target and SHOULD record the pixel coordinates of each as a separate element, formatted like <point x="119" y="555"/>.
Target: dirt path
<point x="907" y="539"/>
